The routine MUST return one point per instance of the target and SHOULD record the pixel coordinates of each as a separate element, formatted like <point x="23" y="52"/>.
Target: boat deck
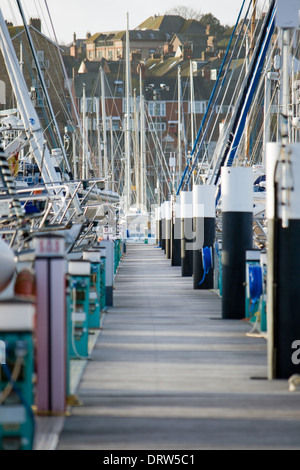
<point x="167" y="372"/>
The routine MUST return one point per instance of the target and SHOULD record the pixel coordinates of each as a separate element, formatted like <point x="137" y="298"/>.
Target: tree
<point x="186" y="12"/>
<point x="215" y="26"/>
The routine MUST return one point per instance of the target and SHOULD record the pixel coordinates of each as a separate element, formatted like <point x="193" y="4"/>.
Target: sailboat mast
<point x="192" y="98"/>
<point x="104" y="129"/>
<point x="84" y="141"/>
<point x="112" y="153"/>
<point x="142" y="147"/>
<point x="99" y="137"/>
<point x="179" y="126"/>
<point x="42" y="81"/>
<point x="249" y="56"/>
<point x="127" y="192"/>
<point x="136" y="154"/>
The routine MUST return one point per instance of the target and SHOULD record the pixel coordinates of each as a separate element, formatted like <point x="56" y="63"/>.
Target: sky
<point x="82" y="16"/>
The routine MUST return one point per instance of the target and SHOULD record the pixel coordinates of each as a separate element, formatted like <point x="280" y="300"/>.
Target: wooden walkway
<point x="167" y="372"/>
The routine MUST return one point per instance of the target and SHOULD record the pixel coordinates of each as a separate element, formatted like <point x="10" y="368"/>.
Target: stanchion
<point x="283" y="255"/>
<point x="187" y="235"/>
<point x="204" y="227"/>
<point x="237" y="220"/>
<point x="168" y="213"/>
<point x="176" y="232"/>
<point x="163" y="227"/>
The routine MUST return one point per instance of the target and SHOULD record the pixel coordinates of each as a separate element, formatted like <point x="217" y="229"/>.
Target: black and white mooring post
<point x="176" y="232"/>
<point x="109" y="270"/>
<point x="163" y="227"/>
<point x="158" y="226"/>
<point x="51" y="333"/>
<point x="283" y="215"/>
<point x="283" y="259"/>
<point x="237" y="221"/>
<point x="187" y="234"/>
<point x="204" y="228"/>
<point x="168" y="214"/>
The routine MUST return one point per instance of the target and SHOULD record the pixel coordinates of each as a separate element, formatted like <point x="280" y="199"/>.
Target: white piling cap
<point x="186" y="204"/>
<point x="237" y="189"/>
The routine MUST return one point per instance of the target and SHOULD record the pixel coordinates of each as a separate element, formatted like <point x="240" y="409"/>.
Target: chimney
<point x="36" y="23"/>
<point x="168" y="49"/>
<point x="75" y="72"/>
<point x="187" y="52"/>
<point x="74" y="48"/>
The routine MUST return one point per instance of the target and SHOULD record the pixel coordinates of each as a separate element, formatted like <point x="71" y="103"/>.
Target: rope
<point x="12" y="378"/>
<point x="8" y="182"/>
<point x="206" y="262"/>
<point x="247" y="92"/>
<point x="74" y="302"/>
<point x="209" y="105"/>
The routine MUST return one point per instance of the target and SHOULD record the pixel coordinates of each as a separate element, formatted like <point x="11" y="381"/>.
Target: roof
<point x="134" y="35"/>
<point x="193" y="27"/>
<point x="169" y="67"/>
<point x="202" y="87"/>
<point x="166" y="23"/>
<point x="160" y="68"/>
<point x="149" y="35"/>
<point x="70" y="62"/>
<point x="90" y="66"/>
<point x="15" y="31"/>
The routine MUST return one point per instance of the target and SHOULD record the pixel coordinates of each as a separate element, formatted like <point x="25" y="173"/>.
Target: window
<point x="91" y="104"/>
<point x="131" y="105"/>
<point x="40" y="56"/>
<point x="157" y="108"/>
<point x="213" y="74"/>
<point x="43" y="64"/>
<point x="199" y="107"/>
<point x="116" y="124"/>
<point x="119" y="88"/>
<point x="157" y="126"/>
<point x="224" y="109"/>
<point x="173" y="63"/>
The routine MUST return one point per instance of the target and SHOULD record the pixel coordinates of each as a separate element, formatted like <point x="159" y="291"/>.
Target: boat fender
<point x="255" y="285"/>
<point x="207" y="262"/>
